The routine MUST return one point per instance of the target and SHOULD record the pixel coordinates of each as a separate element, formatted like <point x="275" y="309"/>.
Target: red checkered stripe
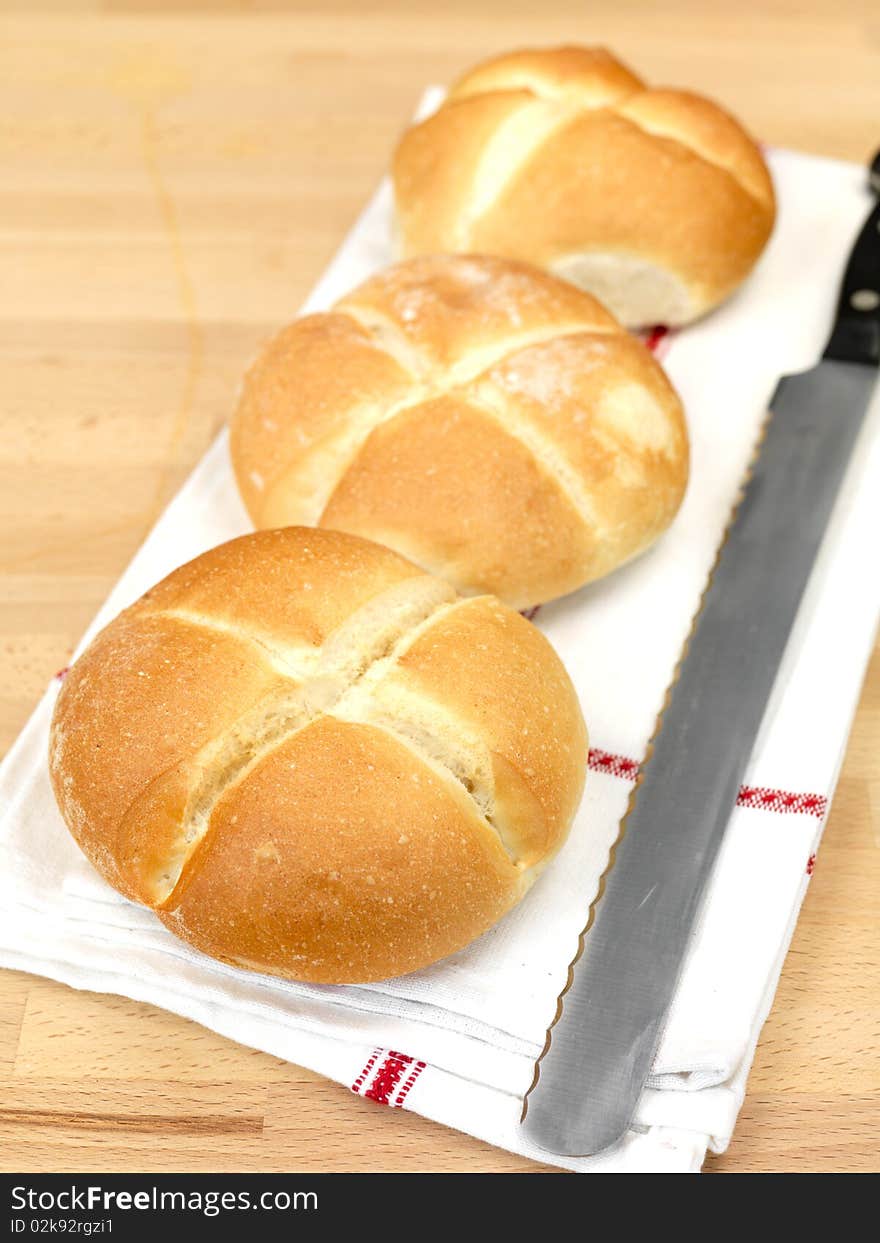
<point x="763" y="798"/>
<point x="387" y="1077"/>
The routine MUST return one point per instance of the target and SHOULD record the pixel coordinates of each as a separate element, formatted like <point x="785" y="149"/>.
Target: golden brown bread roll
<point x="484" y="419"/>
<point x="655" y="200"/>
<point x="312" y="759"/>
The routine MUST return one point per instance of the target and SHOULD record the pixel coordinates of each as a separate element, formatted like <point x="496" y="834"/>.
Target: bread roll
<point x="655" y="200"/>
<point x="314" y="760"/>
<point x="491" y="423"/>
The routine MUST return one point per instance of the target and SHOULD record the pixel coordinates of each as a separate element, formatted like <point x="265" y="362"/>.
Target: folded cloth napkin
<point x="457" y="1042"/>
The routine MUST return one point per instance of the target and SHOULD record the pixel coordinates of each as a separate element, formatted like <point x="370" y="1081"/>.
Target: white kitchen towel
<point x="457" y="1042"/>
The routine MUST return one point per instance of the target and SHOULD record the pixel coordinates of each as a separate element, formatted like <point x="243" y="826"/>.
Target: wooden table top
<point x="174" y="185"/>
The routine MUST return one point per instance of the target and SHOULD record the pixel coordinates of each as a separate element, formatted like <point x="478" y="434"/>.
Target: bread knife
<point x="610" y="1019"/>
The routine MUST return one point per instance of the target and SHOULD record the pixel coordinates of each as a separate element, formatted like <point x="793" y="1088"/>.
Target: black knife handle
<point x="855" y="337"/>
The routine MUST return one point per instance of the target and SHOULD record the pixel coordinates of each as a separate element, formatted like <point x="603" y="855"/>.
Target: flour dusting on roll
<point x="312" y="759"/>
<point x="655" y="200"/>
<point x="488" y="421"/>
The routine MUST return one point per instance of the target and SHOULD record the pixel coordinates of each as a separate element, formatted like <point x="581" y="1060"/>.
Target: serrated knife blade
<point x="601" y="1047"/>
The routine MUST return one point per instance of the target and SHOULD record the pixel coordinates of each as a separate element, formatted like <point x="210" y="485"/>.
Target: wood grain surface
<point x="174" y="182"/>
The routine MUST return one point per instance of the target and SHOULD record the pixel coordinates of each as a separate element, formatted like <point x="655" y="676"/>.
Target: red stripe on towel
<point x="387" y="1077"/>
<point x="617" y="765"/>
<point x="658" y="339"/>
<point x="784" y="802"/>
<point x="380" y="1079"/>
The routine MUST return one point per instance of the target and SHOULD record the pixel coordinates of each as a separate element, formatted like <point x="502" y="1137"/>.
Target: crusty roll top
<point x="656" y="200"/>
<point x="315" y="760"/>
<point x="492" y="423"/>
